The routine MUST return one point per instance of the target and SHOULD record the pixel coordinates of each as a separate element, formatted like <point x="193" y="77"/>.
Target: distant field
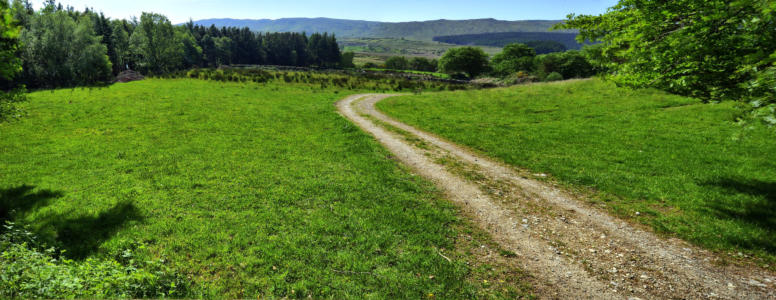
<point x="379" y="49"/>
<point x="249" y="189"/>
<point x="501" y="39"/>
<point x="671" y="162"/>
<point x="433" y="74"/>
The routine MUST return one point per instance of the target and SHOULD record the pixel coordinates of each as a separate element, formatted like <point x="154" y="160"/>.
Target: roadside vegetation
<point x="379" y="81"/>
<point x="674" y="163"/>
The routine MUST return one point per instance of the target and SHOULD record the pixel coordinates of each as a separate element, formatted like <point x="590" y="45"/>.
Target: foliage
<point x="514" y="58"/>
<point x="10" y="64"/>
<point x="347" y="60"/>
<point x="397" y="63"/>
<point x="29" y="269"/>
<point x="554" y="76"/>
<point x="685" y="166"/>
<point x="198" y="164"/>
<point x="712" y="50"/>
<point x="192" y="51"/>
<point x="324" y="50"/>
<point x="570" y="64"/>
<point x="66" y="47"/>
<point x="346" y="80"/>
<point x="545" y="47"/>
<point x="424" y="64"/>
<point x="63" y="50"/>
<point x="121" y="51"/>
<point x="9" y="103"/>
<point x="469" y="60"/>
<point x="551" y="40"/>
<point x="155" y="44"/>
<point x="522" y="58"/>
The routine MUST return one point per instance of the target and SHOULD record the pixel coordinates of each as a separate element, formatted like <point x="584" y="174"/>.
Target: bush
<point x="347" y="60"/>
<point x="470" y="60"/>
<point x="570" y="64"/>
<point x="28" y="269"/>
<point x="342" y="79"/>
<point x="424" y="64"/>
<point x="8" y="101"/>
<point x="514" y="58"/>
<point x="554" y="76"/>
<point x="397" y="63"/>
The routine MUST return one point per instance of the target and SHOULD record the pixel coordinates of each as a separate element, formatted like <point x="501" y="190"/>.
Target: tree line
<point x="515" y="60"/>
<point x="519" y="63"/>
<point x="62" y="47"/>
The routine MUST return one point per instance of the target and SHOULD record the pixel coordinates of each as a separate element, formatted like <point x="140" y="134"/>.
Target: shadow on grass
<point x="80" y="236"/>
<point x="20" y="200"/>
<point x="760" y="210"/>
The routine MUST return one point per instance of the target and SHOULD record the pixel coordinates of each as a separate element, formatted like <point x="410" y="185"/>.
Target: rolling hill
<point x="501" y="39"/>
<point x="423" y="31"/>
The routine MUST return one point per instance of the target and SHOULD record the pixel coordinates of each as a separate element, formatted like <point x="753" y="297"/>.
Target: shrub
<point x="28" y="269"/>
<point x="347" y="60"/>
<point x="8" y="101"/>
<point x="554" y="76"/>
<point x="397" y="63"/>
<point x="424" y="64"/>
<point x="370" y="65"/>
<point x="570" y="64"/>
<point x="342" y="79"/>
<point x="514" y="58"/>
<point x="469" y="60"/>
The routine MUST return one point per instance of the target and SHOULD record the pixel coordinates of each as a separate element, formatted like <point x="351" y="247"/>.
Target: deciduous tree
<point x="710" y="49"/>
<point x="471" y="61"/>
<point x="10" y="64"/>
<point x="514" y="58"/>
<point x="156" y="44"/>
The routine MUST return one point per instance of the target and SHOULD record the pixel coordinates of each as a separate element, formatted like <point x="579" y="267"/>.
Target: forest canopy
<point x="63" y="47"/>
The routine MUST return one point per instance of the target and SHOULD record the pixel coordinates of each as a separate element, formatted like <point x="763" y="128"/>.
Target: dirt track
<point x="573" y="250"/>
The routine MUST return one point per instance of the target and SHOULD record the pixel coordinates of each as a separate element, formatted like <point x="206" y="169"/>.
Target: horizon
<point x="181" y="11"/>
<point x="362" y="20"/>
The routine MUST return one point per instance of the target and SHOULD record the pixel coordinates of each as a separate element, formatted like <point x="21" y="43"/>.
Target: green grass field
<point x="684" y="166"/>
<point x="248" y="189"/>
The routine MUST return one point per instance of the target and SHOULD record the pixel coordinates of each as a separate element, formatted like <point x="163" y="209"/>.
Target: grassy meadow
<point x="680" y="166"/>
<point x="247" y="189"/>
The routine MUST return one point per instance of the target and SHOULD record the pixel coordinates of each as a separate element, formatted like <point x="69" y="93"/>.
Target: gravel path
<point x="572" y="249"/>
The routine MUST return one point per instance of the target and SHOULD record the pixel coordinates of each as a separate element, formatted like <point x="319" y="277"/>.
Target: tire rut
<point x="574" y="250"/>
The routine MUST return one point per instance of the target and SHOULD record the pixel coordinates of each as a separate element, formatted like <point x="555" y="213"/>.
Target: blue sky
<point x="372" y="10"/>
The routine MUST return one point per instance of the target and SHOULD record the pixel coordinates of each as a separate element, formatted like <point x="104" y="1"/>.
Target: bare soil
<point x="572" y="249"/>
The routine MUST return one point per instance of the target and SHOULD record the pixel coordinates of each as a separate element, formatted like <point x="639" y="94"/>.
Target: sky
<point x="180" y="11"/>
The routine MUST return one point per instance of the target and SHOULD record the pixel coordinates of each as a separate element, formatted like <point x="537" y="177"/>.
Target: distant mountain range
<point x="501" y="39"/>
<point x="423" y="31"/>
